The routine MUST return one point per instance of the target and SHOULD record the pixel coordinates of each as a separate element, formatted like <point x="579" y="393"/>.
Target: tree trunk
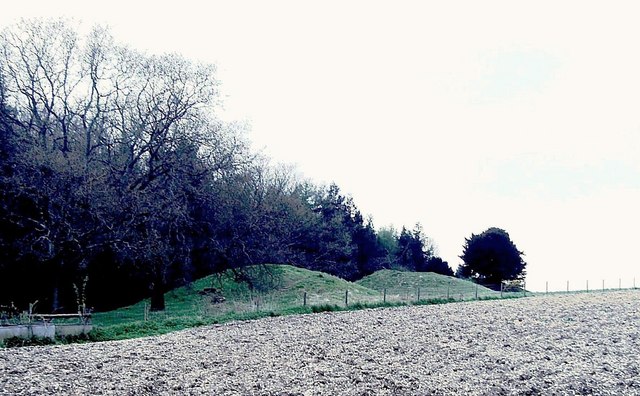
<point x="55" y="298"/>
<point x="157" y="297"/>
<point x="55" y="273"/>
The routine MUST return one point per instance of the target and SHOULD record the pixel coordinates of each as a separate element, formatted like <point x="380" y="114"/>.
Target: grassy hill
<point x="275" y="287"/>
<point x="278" y="290"/>
<point x="404" y="284"/>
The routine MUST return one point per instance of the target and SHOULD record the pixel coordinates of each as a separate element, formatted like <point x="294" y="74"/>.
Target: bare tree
<point x="114" y="144"/>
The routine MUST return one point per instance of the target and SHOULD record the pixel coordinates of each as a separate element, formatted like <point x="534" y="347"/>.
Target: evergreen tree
<point x="437" y="265"/>
<point x="413" y="249"/>
<point x="491" y="257"/>
<point x="368" y="253"/>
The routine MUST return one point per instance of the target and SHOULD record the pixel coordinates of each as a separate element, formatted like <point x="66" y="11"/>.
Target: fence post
<point x="546" y="287"/>
<point x="587" y="285"/>
<point x="384" y="296"/>
<point x="146" y="312"/>
<point x="304" y="300"/>
<point x="476" y="291"/>
<point x="500" y="289"/>
<point x="567" y="286"/>
<point x="346" y="297"/>
<point x="524" y="289"/>
<point x="619" y="283"/>
<point x="448" y="288"/>
<point x="418" y="297"/>
<point x="603" y="285"/>
<point x="634" y="282"/>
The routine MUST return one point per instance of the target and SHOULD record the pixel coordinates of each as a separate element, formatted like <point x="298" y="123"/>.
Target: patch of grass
<point x="436" y="301"/>
<point x="326" y="308"/>
<point x="505" y="296"/>
<point x="13" y="342"/>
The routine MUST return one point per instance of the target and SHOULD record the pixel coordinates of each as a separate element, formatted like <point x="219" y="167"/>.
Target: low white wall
<point x="14" y="331"/>
<point x="40" y="330"/>
<point x="66" y="330"/>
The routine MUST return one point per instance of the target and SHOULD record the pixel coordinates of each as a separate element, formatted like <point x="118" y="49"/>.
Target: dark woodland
<point x="119" y="182"/>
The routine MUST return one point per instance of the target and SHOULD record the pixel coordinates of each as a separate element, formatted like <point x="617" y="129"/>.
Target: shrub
<point x="13" y="342"/>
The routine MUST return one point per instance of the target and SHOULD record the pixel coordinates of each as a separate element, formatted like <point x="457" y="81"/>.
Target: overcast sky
<point x="461" y="115"/>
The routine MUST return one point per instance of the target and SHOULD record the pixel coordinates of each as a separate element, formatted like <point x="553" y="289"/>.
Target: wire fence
<point x="212" y="306"/>
<point x="215" y="305"/>
<point x="281" y="300"/>
<point x="587" y="285"/>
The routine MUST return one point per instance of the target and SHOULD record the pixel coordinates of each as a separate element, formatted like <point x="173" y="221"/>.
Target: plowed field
<point x="564" y="344"/>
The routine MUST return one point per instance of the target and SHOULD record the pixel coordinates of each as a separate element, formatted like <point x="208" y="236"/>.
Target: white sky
<point x="461" y="115"/>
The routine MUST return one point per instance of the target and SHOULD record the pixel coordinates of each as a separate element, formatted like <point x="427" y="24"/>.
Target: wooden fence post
<point x="418" y="297"/>
<point x="346" y="297"/>
<point x="500" y="289"/>
<point x="304" y="300"/>
<point x="448" y="288"/>
<point x="476" y="291"/>
<point x="587" y="285"/>
<point x="384" y="296"/>
<point x="546" y="287"/>
<point x="567" y="286"/>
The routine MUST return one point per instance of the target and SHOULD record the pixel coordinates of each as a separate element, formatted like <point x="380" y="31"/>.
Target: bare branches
<point x="40" y="68"/>
<point x="120" y="160"/>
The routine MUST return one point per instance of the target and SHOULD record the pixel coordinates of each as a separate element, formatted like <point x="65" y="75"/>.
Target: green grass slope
<point x="279" y="290"/>
<point x="320" y="288"/>
<point x="406" y="285"/>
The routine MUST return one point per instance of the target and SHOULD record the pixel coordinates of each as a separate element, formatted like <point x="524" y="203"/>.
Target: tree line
<point x="116" y="173"/>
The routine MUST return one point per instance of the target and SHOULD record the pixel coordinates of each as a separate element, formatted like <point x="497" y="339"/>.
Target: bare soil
<point x="578" y="344"/>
